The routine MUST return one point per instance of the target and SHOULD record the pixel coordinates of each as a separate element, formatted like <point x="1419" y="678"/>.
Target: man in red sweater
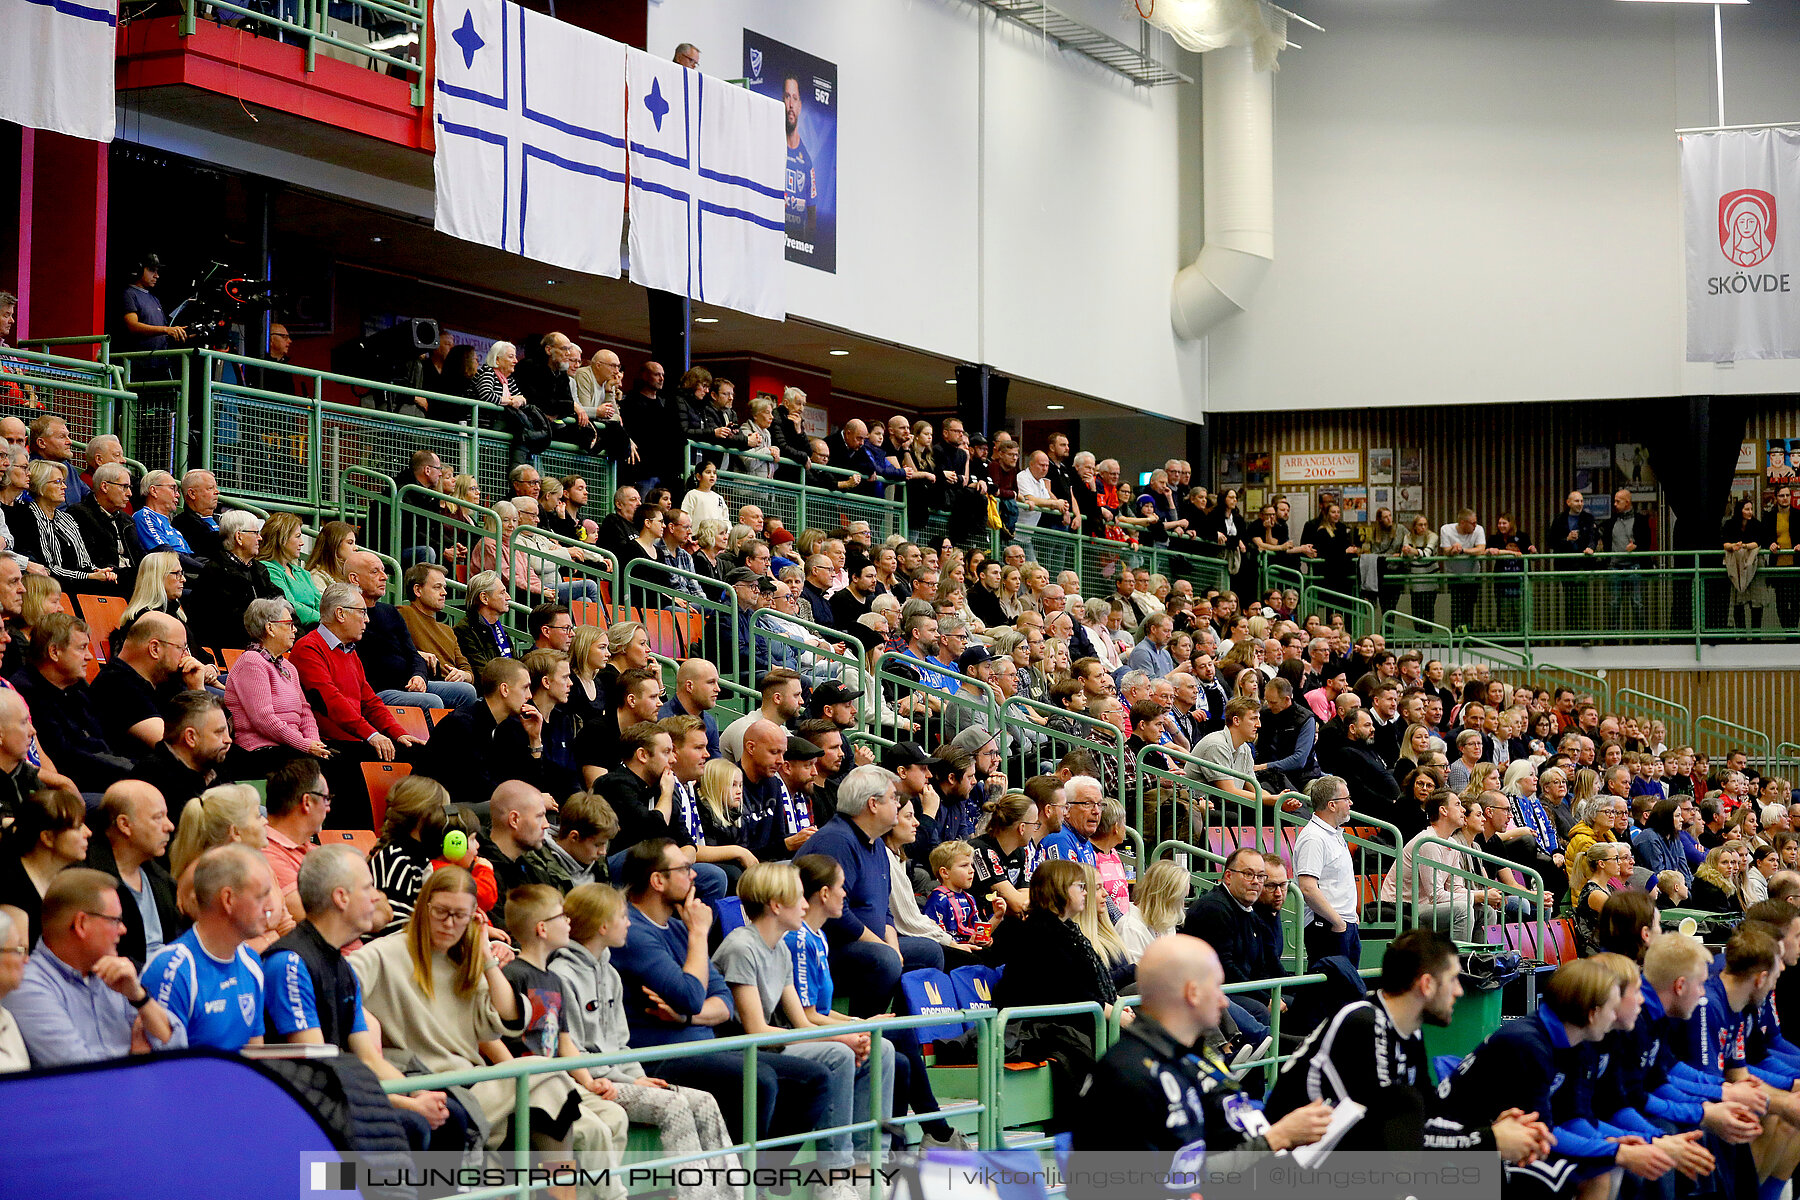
<point x="352" y="719"/>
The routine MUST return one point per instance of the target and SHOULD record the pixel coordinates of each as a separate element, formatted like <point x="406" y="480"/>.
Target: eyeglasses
<point x="1259" y="876"/>
<point x="179" y="647"/>
<point x="21" y="951"/>
<point x="325" y="796"/>
<point x="450" y="916"/>
<point x="687" y="867"/>
<point x="119" y="921"/>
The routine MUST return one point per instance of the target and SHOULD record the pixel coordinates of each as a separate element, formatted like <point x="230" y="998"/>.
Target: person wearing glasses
<point x="352" y="718"/>
<point x="104" y="520"/>
<point x="160" y="498"/>
<point x="79" y="1000"/>
<point x="46" y="534"/>
<point x="1227" y="920"/>
<point x="298" y="801"/>
<point x="151" y="665"/>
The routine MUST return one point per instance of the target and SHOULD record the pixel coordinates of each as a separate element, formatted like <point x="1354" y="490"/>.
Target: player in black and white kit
<point x="1373" y="1053"/>
<point x="1161" y="1090"/>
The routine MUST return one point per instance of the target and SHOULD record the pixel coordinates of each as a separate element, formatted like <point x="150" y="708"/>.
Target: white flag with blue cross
<point x="530" y="127"/>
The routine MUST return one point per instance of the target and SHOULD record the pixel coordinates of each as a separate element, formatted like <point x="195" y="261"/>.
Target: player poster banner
<point x="808" y="89"/>
<point x="1740" y="195"/>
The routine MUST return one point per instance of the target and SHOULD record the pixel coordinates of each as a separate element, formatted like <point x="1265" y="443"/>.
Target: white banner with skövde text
<point x="1740" y="191"/>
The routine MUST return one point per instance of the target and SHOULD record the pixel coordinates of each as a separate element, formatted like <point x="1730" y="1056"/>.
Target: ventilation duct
<point x="1238" y="175"/>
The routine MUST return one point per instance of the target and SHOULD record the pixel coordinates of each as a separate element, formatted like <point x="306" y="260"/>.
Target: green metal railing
<point x="1677" y="719"/>
<point x="1563" y="599"/>
<point x="1716" y="737"/>
<point x="387" y="24"/>
<point x="914" y="711"/>
<point x="267" y="443"/>
<point x="521" y="1071"/>
<point x="801" y="507"/>
<point x="85" y="394"/>
<point x="1033" y="746"/>
<point x="1410" y="893"/>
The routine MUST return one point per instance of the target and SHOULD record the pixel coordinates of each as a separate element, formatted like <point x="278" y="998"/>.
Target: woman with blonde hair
<point x="219" y="816"/>
<point x="159" y="586"/>
<point x="721" y="792"/>
<point x="1585" y="786"/>
<point x="400" y="861"/>
<point x="1157" y="910"/>
<point x="42" y="595"/>
<point x="1414" y="744"/>
<point x="283" y="543"/>
<point x="47" y="535"/>
<point x="1483" y="777"/>
<point x="1604" y="868"/>
<point x="335" y="543"/>
<point x="1096" y="924"/>
<point x="1719" y="881"/>
<point x="588" y="655"/>
<point x="439" y="991"/>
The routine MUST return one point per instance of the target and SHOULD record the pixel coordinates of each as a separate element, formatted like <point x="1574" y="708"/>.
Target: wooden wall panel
<point x="1766" y="700"/>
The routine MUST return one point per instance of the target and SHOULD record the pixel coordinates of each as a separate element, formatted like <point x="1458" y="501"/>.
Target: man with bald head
<point x="851" y="450"/>
<point x="152" y="664"/>
<point x="18" y="777"/>
<point x="396" y="670"/>
<point x="777" y="822"/>
<point x="134" y="828"/>
<point x="15" y="432"/>
<point x="1154" y="1092"/>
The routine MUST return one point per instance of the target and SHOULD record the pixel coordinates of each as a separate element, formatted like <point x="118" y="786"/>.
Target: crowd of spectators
<point x="575" y="825"/>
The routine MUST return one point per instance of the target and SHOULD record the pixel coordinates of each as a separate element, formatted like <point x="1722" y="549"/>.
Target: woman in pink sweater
<point x="270" y="719"/>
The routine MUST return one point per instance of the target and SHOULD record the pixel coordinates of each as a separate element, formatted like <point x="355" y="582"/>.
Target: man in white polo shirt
<point x="1326" y="875"/>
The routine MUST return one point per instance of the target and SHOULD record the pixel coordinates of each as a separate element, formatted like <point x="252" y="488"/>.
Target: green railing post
<point x="522" y="1127"/>
<point x="747" y="1113"/>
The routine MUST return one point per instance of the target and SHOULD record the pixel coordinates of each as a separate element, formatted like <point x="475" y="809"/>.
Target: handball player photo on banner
<point x="808" y="89"/>
<point x="1740" y="190"/>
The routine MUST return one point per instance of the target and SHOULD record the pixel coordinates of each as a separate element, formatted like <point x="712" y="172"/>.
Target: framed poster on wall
<point x="1256" y="469"/>
<point x="1313" y="467"/>
<point x="1409" y="465"/>
<point x="1231" y="469"/>
<point x="1381" y="465"/>
<point x="1355" y="499"/>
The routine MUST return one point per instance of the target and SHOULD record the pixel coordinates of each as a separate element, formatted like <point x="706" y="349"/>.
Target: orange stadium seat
<point x="102" y="614"/>
<point x="413" y="720"/>
<point x="378" y="777"/>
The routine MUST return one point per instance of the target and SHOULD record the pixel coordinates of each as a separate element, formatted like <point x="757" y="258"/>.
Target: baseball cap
<point x="764" y="584"/>
<point x="901" y="755"/>
<point x="833" y="692"/>
<point x="801" y="750"/>
<point x="739" y="575"/>
<point x="973" y="738"/>
<point x="972" y="656"/>
<point x="978" y="439"/>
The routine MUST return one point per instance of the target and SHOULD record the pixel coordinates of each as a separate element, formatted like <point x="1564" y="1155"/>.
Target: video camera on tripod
<point x="220" y="300"/>
<point x="392" y="355"/>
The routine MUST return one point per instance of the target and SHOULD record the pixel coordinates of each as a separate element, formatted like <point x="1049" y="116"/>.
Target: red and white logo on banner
<point x="1747" y="226"/>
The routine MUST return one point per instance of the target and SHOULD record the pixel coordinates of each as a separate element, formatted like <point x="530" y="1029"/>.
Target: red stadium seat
<point x="413" y="720"/>
<point x="378" y="777"/>
<point x="362" y="839"/>
<point x="102" y="614"/>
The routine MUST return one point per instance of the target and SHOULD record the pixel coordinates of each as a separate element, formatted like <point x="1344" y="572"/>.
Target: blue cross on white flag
<point x="56" y="66"/>
<point x="530" y="134"/>
<point x="708" y="188"/>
